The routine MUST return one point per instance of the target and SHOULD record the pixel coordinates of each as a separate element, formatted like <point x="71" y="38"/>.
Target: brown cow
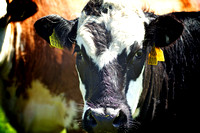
<point x="39" y="87"/>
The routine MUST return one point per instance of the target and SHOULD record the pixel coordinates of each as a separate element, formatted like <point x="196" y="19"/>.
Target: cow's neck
<point x="154" y="83"/>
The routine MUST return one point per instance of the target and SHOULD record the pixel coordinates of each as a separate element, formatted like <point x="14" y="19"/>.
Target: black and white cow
<point x="121" y="91"/>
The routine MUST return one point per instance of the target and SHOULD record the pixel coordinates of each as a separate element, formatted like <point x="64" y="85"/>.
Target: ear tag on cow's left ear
<point x="54" y="41"/>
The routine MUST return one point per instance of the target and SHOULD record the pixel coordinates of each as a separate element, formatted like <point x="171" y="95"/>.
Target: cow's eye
<point x="79" y="55"/>
<point x="78" y="52"/>
<point x="77" y="49"/>
<point x="139" y="54"/>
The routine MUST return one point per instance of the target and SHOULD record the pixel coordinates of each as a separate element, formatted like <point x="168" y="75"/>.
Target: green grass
<point x="5" y="127"/>
<point x="64" y="131"/>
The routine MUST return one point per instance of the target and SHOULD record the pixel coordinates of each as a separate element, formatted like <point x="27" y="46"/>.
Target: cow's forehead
<point x="123" y="24"/>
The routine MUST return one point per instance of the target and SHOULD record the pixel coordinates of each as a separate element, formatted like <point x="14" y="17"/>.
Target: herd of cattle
<point x="107" y="50"/>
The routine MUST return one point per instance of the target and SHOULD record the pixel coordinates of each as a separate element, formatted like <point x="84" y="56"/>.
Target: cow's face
<point x="110" y="60"/>
<point x="111" y="44"/>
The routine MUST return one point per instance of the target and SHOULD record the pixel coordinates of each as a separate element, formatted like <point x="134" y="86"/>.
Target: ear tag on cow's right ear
<point x="152" y="58"/>
<point x="54" y="41"/>
<point x="155" y="55"/>
<point x="160" y="54"/>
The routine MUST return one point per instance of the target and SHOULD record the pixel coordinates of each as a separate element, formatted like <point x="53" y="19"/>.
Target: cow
<point x="124" y="86"/>
<point x="38" y="91"/>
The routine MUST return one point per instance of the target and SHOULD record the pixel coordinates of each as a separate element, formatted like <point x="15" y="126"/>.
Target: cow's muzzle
<point x="105" y="121"/>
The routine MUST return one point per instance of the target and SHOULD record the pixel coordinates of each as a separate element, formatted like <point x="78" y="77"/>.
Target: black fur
<point x="18" y="10"/>
<point x="101" y="36"/>
<point x="170" y="88"/>
<point x="162" y="27"/>
<point x="93" y="7"/>
<point x="45" y="26"/>
<point x="104" y="87"/>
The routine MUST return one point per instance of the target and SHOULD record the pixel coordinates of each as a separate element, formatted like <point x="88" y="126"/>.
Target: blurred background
<point x="69" y="9"/>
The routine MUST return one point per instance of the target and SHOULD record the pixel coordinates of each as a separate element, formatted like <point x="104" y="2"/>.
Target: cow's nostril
<point x="90" y="119"/>
<point x="108" y="120"/>
<point x="120" y="119"/>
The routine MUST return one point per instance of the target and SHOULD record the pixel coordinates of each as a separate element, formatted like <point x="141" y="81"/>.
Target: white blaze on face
<point x="134" y="91"/>
<point x="83" y="92"/>
<point x="125" y="21"/>
<point x="81" y="85"/>
<point x="3" y="8"/>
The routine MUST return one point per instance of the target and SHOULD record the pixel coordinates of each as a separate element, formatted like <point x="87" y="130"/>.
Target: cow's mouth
<point x="101" y="120"/>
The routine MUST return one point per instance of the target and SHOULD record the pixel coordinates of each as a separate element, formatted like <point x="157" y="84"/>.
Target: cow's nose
<point x="96" y="121"/>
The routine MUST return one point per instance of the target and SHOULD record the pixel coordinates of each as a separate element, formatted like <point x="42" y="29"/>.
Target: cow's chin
<point x="108" y="120"/>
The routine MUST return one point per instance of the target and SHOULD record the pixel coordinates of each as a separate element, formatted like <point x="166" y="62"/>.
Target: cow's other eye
<point x="79" y="55"/>
<point x="78" y="52"/>
<point x="139" y="54"/>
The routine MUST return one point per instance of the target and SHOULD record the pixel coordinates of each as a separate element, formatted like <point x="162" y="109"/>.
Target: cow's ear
<point x="163" y="31"/>
<point x="19" y="10"/>
<point x="64" y="30"/>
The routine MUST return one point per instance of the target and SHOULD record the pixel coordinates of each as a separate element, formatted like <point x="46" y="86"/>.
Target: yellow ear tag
<point x="152" y="59"/>
<point x="54" y="41"/>
<point x="155" y="55"/>
<point x="160" y="55"/>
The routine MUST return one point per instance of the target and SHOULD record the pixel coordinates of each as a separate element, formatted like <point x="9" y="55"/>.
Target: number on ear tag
<point x="155" y="55"/>
<point x="152" y="59"/>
